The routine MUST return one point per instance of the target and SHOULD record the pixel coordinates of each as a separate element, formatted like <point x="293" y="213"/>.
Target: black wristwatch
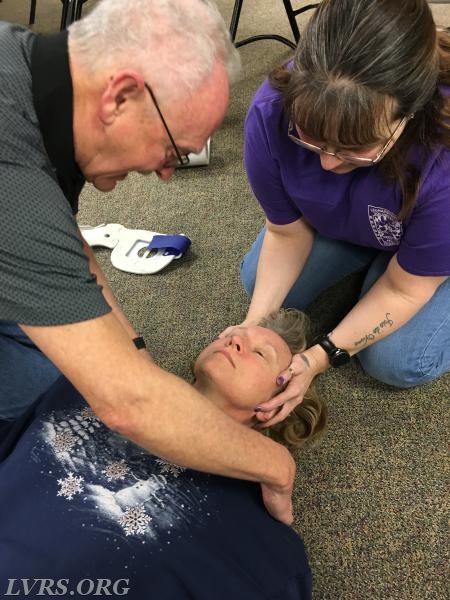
<point x="336" y="356"/>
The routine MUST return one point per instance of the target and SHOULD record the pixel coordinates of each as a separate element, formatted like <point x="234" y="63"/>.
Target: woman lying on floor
<point x="91" y="512"/>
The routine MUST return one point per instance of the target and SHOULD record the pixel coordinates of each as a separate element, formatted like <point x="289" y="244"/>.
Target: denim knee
<point x="399" y="369"/>
<point x="248" y="275"/>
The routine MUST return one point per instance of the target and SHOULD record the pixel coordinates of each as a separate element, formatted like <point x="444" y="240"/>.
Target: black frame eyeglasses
<point x="182" y="159"/>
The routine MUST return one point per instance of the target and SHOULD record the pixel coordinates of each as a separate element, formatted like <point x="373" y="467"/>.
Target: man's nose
<point x="165" y="173"/>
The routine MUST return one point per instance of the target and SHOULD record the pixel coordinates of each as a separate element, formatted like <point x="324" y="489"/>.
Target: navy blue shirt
<point x="79" y="502"/>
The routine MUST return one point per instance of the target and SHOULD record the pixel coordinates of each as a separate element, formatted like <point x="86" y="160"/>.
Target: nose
<point x="235" y="342"/>
<point x="329" y="162"/>
<point x="165" y="173"/>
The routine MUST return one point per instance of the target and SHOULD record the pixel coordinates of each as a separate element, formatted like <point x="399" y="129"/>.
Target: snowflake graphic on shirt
<point x="106" y="475"/>
<point x="167" y="468"/>
<point x="385" y="225"/>
<point x="63" y="441"/>
<point x="135" y="520"/>
<point x="70" y="486"/>
<point x="116" y="470"/>
<point x="87" y="414"/>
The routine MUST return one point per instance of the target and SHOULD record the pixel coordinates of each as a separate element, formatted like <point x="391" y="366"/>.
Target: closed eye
<point x="259" y="353"/>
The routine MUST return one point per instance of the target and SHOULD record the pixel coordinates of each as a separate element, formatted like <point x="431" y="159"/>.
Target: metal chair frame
<point x="71" y="11"/>
<point x="291" y="15"/>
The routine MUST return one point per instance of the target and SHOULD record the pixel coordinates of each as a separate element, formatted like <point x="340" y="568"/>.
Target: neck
<point x="244" y="416"/>
<point x="86" y="92"/>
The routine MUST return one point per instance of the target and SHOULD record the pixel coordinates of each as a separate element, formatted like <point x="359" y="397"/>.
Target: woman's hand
<point x="229" y="330"/>
<point x="298" y="377"/>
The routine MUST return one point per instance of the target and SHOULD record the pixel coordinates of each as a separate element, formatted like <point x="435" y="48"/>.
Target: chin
<point x="342" y="170"/>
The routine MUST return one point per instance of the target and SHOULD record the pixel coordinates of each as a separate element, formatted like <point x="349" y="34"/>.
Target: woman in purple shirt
<point x="347" y="149"/>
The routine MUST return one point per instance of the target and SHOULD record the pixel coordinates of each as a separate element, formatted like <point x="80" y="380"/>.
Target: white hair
<point x="173" y="43"/>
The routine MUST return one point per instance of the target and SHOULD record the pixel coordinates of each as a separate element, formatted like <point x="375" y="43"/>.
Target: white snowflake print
<point x="387" y="228"/>
<point x="63" y="441"/>
<point x="70" y="486"/>
<point x="135" y="520"/>
<point x="87" y="414"/>
<point x="116" y="470"/>
<point x="167" y="468"/>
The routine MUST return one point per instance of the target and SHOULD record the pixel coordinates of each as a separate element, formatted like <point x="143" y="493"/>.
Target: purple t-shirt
<point x="358" y="207"/>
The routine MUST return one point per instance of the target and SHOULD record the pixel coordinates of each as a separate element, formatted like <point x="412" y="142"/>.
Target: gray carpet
<point x="370" y="501"/>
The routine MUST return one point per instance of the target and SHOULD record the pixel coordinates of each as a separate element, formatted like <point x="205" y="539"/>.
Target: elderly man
<point x="94" y="104"/>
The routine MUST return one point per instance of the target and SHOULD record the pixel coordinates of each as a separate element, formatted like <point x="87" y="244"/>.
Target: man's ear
<point x="123" y="87"/>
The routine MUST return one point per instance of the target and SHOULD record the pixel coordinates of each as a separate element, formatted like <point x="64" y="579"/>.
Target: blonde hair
<point x="307" y="422"/>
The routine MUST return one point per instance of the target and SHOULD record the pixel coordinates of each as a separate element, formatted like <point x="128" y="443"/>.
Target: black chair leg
<point x="64" y="11"/>
<point x="71" y="11"/>
<point x="254" y="38"/>
<point x="292" y="21"/>
<point x="291" y="15"/>
<point x="235" y="19"/>
<point x="32" y="12"/>
<point x="79" y="9"/>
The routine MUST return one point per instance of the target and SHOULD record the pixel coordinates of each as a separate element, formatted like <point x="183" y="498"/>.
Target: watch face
<point x="339" y="358"/>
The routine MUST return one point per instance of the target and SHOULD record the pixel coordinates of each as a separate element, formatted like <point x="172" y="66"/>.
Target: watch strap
<point x="139" y="342"/>
<point x="324" y="341"/>
<point x="337" y="356"/>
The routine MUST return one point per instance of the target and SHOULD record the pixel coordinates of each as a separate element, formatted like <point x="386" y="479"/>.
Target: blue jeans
<point x="25" y="373"/>
<point x="415" y="354"/>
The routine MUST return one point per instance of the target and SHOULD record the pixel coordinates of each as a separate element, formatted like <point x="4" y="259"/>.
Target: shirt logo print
<point x="387" y="228"/>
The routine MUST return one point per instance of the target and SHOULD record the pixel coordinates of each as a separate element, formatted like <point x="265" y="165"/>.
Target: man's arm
<point x="161" y="412"/>
<point x="108" y="294"/>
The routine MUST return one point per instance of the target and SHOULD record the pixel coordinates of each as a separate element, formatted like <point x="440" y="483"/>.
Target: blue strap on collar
<point x="173" y="245"/>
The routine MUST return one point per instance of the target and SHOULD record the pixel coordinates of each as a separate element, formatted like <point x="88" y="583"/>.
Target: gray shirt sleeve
<point x="44" y="272"/>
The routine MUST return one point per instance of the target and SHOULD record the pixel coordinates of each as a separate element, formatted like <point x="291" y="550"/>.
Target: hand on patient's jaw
<point x="297" y="378"/>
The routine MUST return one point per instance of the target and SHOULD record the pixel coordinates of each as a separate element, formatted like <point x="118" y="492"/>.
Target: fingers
<point x="278" y="505"/>
<point x="229" y="330"/>
<point x="297" y="378"/>
<point x="226" y="331"/>
<point x="297" y="367"/>
<point x="263" y="416"/>
<point x="278" y="416"/>
<point x="294" y="394"/>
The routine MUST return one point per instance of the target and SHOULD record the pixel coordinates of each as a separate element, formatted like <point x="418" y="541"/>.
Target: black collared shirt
<point x="53" y="101"/>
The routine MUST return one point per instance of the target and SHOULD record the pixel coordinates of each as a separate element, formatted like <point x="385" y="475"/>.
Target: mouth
<point x="227" y="356"/>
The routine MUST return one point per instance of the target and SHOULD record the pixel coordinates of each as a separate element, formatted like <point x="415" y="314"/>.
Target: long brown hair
<point x="307" y="422"/>
<point x="361" y="64"/>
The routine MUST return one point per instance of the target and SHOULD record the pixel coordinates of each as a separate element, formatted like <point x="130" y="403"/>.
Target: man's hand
<point x="278" y="500"/>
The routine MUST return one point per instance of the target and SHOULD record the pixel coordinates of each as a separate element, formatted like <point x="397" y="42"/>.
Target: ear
<point x="122" y="89"/>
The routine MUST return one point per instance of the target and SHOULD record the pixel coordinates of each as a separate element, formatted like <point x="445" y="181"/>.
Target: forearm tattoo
<point x="305" y="360"/>
<point x="387" y="322"/>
